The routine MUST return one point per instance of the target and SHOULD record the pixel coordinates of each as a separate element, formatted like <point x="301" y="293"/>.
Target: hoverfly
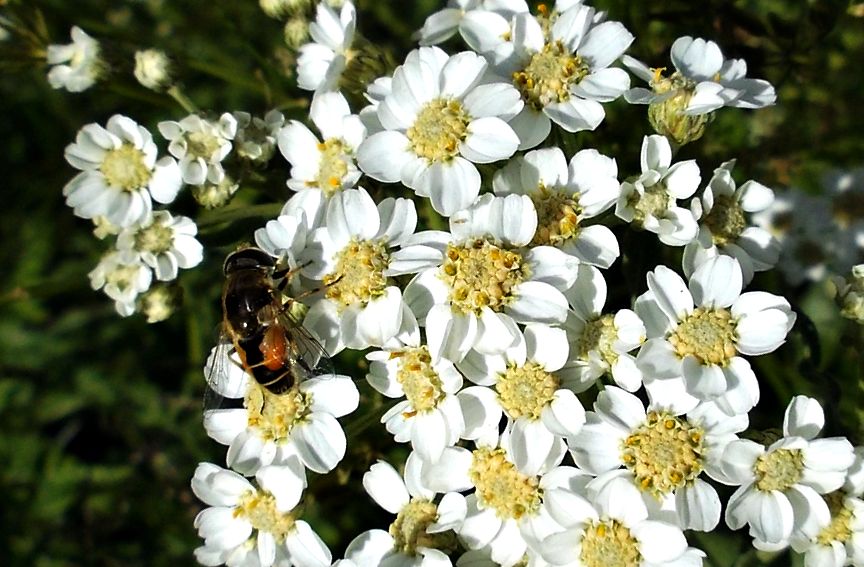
<point x="257" y="324"/>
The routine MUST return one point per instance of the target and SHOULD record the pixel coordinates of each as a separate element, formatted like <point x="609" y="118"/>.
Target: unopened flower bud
<point x="296" y="32"/>
<point x="215" y="195"/>
<point x="153" y="69"/>
<point x="160" y="302"/>
<point x="850" y="295"/>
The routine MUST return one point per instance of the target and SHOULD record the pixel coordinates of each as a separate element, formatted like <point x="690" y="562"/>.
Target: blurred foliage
<point x="101" y="416"/>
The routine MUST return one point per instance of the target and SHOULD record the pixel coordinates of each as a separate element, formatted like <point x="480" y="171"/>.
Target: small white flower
<point x="321" y="63"/>
<point x="153" y="69"/>
<point x="163" y="242"/>
<point x="696" y="335"/>
<point x="120" y="174"/>
<point x="326" y="166"/>
<point x="651" y="200"/>
<point x="840" y="541"/>
<point x="565" y="197"/>
<point x="200" y="145"/>
<point x="476" y="283"/>
<point x="278" y="429"/>
<point x="256" y="137"/>
<point x="660" y="455"/>
<point x="703" y="80"/>
<point x="249" y="525"/>
<point x="360" y="305"/>
<point x="441" y="117"/>
<point x="420" y="535"/>
<point x="780" y="485"/>
<point x="466" y="16"/>
<point x="600" y="343"/>
<point x="724" y="228"/>
<point x="285" y="237"/>
<point x="75" y="66"/>
<point x="122" y="277"/>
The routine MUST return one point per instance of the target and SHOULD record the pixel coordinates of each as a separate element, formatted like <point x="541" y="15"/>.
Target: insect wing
<point x="225" y="376"/>
<point x="305" y="355"/>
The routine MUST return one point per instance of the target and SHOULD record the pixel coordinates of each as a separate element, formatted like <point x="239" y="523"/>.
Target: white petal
<point x="488" y="140"/>
<point x="320" y="442"/>
<point x="385" y="486"/>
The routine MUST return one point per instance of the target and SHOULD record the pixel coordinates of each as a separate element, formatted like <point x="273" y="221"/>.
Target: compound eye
<point x="250" y="258"/>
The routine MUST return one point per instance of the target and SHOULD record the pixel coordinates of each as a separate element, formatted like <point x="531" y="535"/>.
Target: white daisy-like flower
<point x="563" y="76"/>
<point x="360" y="305"/>
<point x="120" y="175"/>
<point x="478" y="281"/>
<point x="278" y="429"/>
<point x="600" y="343"/>
<point x="430" y="416"/>
<point x="255" y="139"/>
<point x="200" y="145"/>
<point x="441" y="117"/>
<point x="528" y="385"/>
<point x="163" y="242"/>
<point x="320" y="63"/>
<point x="254" y="525"/>
<point x="122" y="277"/>
<point x="565" y="197"/>
<point x="651" y="200"/>
<point x="75" y="66"/>
<point x="696" y="335"/>
<point x="420" y="536"/>
<point x="780" y="485"/>
<point x="326" y="166"/>
<point x="464" y="16"/>
<point x="840" y="541"/>
<point x="659" y="454"/>
<point x="723" y="226"/>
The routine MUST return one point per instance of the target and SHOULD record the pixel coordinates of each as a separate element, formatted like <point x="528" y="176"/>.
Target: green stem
<point x="227" y="75"/>
<point x="210" y="218"/>
<point x="183" y="100"/>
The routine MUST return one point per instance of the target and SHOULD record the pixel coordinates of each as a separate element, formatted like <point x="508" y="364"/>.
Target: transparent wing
<point x="305" y="355"/>
<point x="225" y="376"/>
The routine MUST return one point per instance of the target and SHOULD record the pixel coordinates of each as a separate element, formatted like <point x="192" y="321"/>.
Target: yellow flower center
<point x="608" y="543"/>
<point x="202" y="144"/>
<point x="549" y="75"/>
<point x="708" y="334"/>
<point x="480" y="274"/>
<point x="779" y="469"/>
<point x="726" y="220"/>
<point x="123" y="276"/>
<point x="439" y="129"/>
<point x="409" y="529"/>
<point x="525" y="390"/>
<point x="333" y="166"/>
<point x="842" y="518"/>
<point x="259" y="508"/>
<point x="501" y="487"/>
<point x="667" y="117"/>
<point x="275" y="415"/>
<point x="654" y="202"/>
<point x="419" y="380"/>
<point x="125" y="168"/>
<point x="156" y="238"/>
<point x="665" y="453"/>
<point x="359" y="274"/>
<point x="599" y="335"/>
<point x="558" y="215"/>
<point x="215" y="195"/>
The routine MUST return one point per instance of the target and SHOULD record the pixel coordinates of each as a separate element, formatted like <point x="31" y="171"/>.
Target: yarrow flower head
<point x="122" y="277"/>
<point x="466" y="16"/>
<point x="698" y="334"/>
<point x="703" y="81"/>
<point x="321" y="63"/>
<point x="76" y="66"/>
<point x="441" y="117"/>
<point x="153" y="69"/>
<point x="255" y="139"/>
<point x="651" y="200"/>
<point x="163" y="242"/>
<point x="120" y="174"/>
<point x="200" y="145"/>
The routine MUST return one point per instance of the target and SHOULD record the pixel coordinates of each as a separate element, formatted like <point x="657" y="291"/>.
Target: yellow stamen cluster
<point x="259" y="508"/>
<point x="549" y="75"/>
<point x="156" y="238"/>
<point x="275" y="415"/>
<point x="419" y="380"/>
<point x="409" y="529"/>
<point x="778" y="470"/>
<point x="333" y="166"/>
<point x="501" y="487"/>
<point x="439" y="129"/>
<point x="726" y="220"/>
<point x="480" y="274"/>
<point x="665" y="453"/>
<point x="525" y="390"/>
<point x="667" y="117"/>
<point x="609" y="543"/>
<point x="707" y="333"/>
<point x="840" y="528"/>
<point x="599" y="335"/>
<point x="558" y="215"/>
<point x="655" y="201"/>
<point x="359" y="274"/>
<point x="202" y="144"/>
<point x="125" y="168"/>
<point x="123" y="276"/>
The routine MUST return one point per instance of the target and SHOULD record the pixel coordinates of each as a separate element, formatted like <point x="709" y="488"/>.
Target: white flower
<point x="122" y="277"/>
<point x="530" y="389"/>
<point x="695" y="335"/>
<point x="476" y="284"/>
<point x="256" y="137"/>
<point x="360" y="305"/>
<point x="611" y="527"/>
<point x="651" y="201"/>
<point x="75" y="66"/>
<point x="420" y="535"/>
<point x="120" y="175"/>
<point x="565" y="197"/>
<point x="563" y="76"/>
<point x="278" y="429"/>
<point x="200" y="145"/>
<point x="163" y="242"/>
<point x="840" y="541"/>
<point x="703" y="80"/>
<point x="466" y="15"/>
<point x="285" y="237"/>
<point x="152" y="69"/>
<point x="321" y="63"/>
<point x="441" y="117"/>
<point x="600" y="343"/>
<point x="326" y="166"/>
<point x="724" y="228"/>
<point x="249" y="525"/>
<point x="430" y="417"/>
<point x="780" y="486"/>
<point x="662" y="452"/>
